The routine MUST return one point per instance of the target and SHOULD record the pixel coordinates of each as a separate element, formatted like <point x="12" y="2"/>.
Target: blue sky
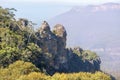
<point x="39" y="10"/>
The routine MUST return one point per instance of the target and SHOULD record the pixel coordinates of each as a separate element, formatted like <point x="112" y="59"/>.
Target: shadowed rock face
<point x="57" y="57"/>
<point x="45" y="27"/>
<point x="47" y="40"/>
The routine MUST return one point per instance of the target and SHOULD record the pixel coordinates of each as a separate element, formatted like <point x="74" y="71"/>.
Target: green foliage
<point x="6" y="16"/>
<point x="21" y="67"/>
<point x="34" y="76"/>
<point x="77" y="52"/>
<point x="17" y="69"/>
<point x="89" y="55"/>
<point x="31" y="53"/>
<point x="81" y="76"/>
<point x="10" y="46"/>
<point x="16" y="46"/>
<point x="85" y="54"/>
<point x="21" y="70"/>
<point x="8" y="55"/>
<point x="10" y="38"/>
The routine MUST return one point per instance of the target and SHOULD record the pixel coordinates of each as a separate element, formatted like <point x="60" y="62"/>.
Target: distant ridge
<point x="96" y="24"/>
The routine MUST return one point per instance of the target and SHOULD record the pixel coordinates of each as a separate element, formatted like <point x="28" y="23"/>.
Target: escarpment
<point x="64" y="59"/>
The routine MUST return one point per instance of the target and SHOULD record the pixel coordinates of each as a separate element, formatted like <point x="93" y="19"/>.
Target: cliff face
<point x="62" y="59"/>
<point x="44" y="48"/>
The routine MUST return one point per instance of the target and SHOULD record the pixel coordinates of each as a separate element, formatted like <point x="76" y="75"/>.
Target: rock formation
<point x="53" y="43"/>
<point x="45" y="48"/>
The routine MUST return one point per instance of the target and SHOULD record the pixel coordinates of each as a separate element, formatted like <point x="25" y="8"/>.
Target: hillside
<point x="94" y="26"/>
<point x="25" y="53"/>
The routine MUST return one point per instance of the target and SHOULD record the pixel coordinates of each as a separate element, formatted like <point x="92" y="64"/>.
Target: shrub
<point x="15" y="70"/>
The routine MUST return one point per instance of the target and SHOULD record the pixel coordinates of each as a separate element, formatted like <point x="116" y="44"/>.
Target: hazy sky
<point x="39" y="10"/>
<point x="70" y="2"/>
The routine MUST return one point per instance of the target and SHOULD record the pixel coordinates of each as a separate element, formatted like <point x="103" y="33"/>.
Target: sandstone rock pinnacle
<point x="45" y="26"/>
<point x="59" y="30"/>
<point x="44" y="30"/>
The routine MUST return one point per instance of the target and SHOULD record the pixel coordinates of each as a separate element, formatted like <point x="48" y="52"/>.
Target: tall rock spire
<point x="45" y="26"/>
<point x="60" y="31"/>
<point x="44" y="30"/>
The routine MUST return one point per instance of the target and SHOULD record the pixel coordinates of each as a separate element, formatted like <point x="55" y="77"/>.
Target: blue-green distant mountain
<point x="92" y="26"/>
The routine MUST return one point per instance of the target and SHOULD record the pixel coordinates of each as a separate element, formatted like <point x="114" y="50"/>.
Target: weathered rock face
<point x="60" y="31"/>
<point x="61" y="34"/>
<point x="45" y="30"/>
<point x="47" y="40"/>
<point x="57" y="57"/>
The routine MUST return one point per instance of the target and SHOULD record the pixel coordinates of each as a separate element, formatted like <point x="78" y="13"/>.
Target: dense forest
<point x="28" y="54"/>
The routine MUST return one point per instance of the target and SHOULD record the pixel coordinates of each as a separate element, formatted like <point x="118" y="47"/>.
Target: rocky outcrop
<point x="47" y="40"/>
<point x="57" y="57"/>
<point x="60" y="32"/>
